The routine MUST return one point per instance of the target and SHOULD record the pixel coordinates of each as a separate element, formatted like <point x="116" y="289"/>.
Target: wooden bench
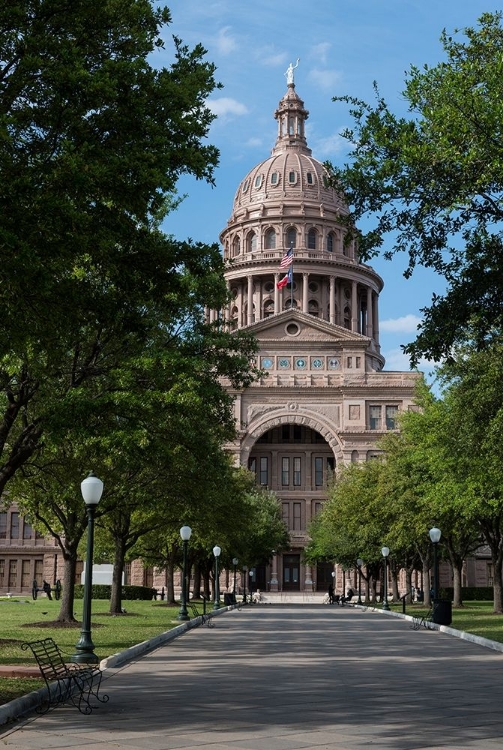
<point x="206" y="617"/>
<point x="65" y="683"/>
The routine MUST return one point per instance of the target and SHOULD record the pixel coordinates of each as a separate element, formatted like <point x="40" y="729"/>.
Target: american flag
<point x="287" y="259"/>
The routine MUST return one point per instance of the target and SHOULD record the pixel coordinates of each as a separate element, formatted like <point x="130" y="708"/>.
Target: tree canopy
<point x="431" y="184"/>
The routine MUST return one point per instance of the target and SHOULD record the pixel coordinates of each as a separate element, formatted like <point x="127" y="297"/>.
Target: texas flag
<point x="286" y="279"/>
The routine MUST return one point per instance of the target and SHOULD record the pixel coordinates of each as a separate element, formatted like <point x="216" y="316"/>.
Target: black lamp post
<point x="245" y="571"/>
<point x="251" y="585"/>
<point x="92" y="489"/>
<point x="234" y="562"/>
<point x="359" y="564"/>
<point x="435" y="535"/>
<point x="216" y="552"/>
<point x="183" y="615"/>
<point x="385" y="553"/>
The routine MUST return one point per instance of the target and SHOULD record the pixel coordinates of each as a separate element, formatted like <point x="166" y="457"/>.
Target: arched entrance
<point x="297" y="463"/>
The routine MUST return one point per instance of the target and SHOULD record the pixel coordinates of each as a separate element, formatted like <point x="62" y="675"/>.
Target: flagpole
<point x="291" y="285"/>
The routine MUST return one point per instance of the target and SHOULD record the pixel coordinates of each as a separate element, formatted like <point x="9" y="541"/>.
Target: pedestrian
<point x="331" y="594"/>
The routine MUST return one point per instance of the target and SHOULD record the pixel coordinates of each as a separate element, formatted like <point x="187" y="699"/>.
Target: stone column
<point x="308" y="580"/>
<point x="305" y="290"/>
<point x="354" y="307"/>
<point x="332" y="299"/>
<point x="258" y="307"/>
<point x="274" y="573"/>
<point x="239" y="303"/>
<point x="250" y="301"/>
<point x="376" y="319"/>
<point x="370" y="317"/>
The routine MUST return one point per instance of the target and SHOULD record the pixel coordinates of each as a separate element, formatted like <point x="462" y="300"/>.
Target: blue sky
<point x="343" y="48"/>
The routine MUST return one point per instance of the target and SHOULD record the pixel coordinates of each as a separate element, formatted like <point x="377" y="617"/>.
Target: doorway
<point x="291" y="572"/>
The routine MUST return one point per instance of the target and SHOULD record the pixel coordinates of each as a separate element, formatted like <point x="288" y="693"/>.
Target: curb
<point x="477" y="639"/>
<point x="25" y="704"/>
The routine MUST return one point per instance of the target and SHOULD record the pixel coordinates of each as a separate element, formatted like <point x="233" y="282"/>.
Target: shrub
<point x="470" y="593"/>
<point x="104" y="590"/>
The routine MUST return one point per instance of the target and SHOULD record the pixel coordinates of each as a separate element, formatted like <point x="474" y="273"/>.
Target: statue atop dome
<point x="289" y="73"/>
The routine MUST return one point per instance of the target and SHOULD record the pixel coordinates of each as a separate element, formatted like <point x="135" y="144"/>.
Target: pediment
<point x="296" y="326"/>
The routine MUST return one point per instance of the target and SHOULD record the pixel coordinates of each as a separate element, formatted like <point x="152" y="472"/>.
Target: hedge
<point x="104" y="591"/>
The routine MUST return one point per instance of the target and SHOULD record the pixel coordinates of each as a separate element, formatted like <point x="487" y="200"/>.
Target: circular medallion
<point x="284" y="363"/>
<point x="300" y="363"/>
<point x="333" y="363"/>
<point x="317" y="363"/>
<point x="267" y="363"/>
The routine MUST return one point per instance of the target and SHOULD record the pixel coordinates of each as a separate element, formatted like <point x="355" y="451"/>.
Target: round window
<point x="292" y="329"/>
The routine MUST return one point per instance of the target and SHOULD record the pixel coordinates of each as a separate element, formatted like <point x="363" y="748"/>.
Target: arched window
<point x="347" y="318"/>
<point x="270" y="239"/>
<point x="236" y="246"/>
<point x="268" y="308"/>
<point x="330" y="243"/>
<point x="291" y="238"/>
<point x="311" y="239"/>
<point x="251" y="242"/>
<point x="290" y="303"/>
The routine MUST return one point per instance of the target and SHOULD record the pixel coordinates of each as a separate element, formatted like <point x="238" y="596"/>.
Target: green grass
<point x="474" y="617"/>
<point x="25" y="620"/>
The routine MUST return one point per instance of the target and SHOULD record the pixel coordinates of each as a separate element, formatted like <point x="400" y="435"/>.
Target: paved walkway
<point x="288" y="677"/>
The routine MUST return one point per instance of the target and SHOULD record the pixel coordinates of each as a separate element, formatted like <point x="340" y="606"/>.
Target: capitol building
<point x="297" y="284"/>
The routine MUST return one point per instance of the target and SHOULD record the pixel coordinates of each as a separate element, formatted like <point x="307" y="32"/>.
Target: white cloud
<point x="325" y="79"/>
<point x="405" y="324"/>
<point x="224" y="42"/>
<point x="328" y="147"/>
<point x="270" y="58"/>
<point x="320" y="52"/>
<point x="227" y="107"/>
<point x="254" y="142"/>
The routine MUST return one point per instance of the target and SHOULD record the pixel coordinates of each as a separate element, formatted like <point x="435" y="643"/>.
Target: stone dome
<point x="291" y="173"/>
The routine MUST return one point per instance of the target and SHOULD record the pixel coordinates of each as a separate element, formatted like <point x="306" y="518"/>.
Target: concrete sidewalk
<point x="288" y="677"/>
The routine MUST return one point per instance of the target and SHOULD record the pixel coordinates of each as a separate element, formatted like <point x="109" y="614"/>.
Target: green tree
<point x="434" y="180"/>
<point x="93" y="140"/>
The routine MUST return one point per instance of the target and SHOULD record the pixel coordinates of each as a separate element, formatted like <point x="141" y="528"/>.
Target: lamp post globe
<point x="183" y="615"/>
<point x="216" y="552"/>
<point x="359" y="564"/>
<point x="92" y="489"/>
<point x="435" y="535"/>
<point x="245" y="571"/>
<point x="251" y="586"/>
<point x="385" y="553"/>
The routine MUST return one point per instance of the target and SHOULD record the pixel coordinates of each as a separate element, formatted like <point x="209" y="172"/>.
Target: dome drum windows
<point x="291" y="237"/>
<point x="251" y="242"/>
<point x="236" y="247"/>
<point x="258" y="181"/>
<point x="275" y="178"/>
<point x="292" y="178"/>
<point x="270" y="239"/>
<point x="312" y="236"/>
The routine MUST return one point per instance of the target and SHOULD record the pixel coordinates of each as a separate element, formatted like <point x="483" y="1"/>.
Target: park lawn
<point x="474" y="617"/>
<point x="26" y="620"/>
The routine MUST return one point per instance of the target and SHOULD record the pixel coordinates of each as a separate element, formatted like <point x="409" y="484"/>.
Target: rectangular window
<point x="285" y="510"/>
<point x="25" y="574"/>
<point x="12" y="583"/>
<point x="318" y="472"/>
<point x="39" y="571"/>
<point x="14" y="525"/>
<point x="2" y="574"/>
<point x="285" y="472"/>
<point x="285" y="433"/>
<point x="358" y="362"/>
<point x="318" y="508"/>
<point x="252" y="465"/>
<point x="264" y="470"/>
<point x="375" y="417"/>
<point x="330" y="468"/>
<point x="297" y="433"/>
<point x="391" y="415"/>
<point x="3" y="525"/>
<point x="296" y="472"/>
<point x="28" y="532"/>
<point x="350" y="362"/>
<point x="297" y="516"/>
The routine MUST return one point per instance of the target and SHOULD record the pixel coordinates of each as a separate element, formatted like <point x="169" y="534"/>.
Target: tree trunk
<point x="68" y="591"/>
<point x="426" y="582"/>
<point x="196" y="589"/>
<point x="456" y="582"/>
<point x="170" y="587"/>
<point x="116" y="594"/>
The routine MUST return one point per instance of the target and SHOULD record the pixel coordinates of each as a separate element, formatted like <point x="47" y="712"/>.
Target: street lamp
<point x="435" y="535"/>
<point x="216" y="552"/>
<point x="251" y="585"/>
<point x="92" y="489"/>
<point x="385" y="553"/>
<point x="183" y="615"/>
<point x="359" y="564"/>
<point x="234" y="562"/>
<point x="245" y="571"/>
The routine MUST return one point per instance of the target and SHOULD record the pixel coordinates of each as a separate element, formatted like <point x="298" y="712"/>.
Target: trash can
<point x="227" y="599"/>
<point x="442" y="612"/>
